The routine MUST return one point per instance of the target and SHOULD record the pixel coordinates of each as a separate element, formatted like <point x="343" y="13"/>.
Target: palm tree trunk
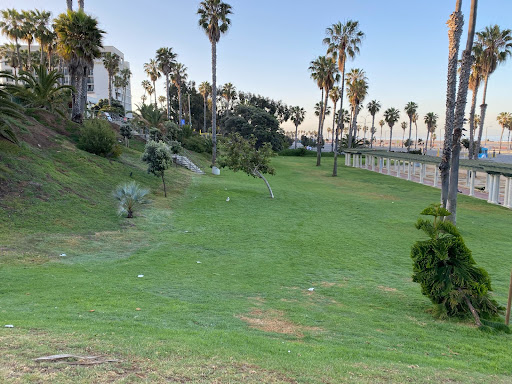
<point x="110" y="89"/>
<point x="373" y="130"/>
<point x="41" y="53"/>
<point x="70" y="5"/>
<point x="462" y="95"/>
<point x="403" y="137"/>
<point x="483" y="109"/>
<point x="472" y="123"/>
<point x="214" y="102"/>
<point x="410" y="132"/>
<point x="509" y="145"/>
<point x="333" y="125"/>
<point x="154" y="90"/>
<point x="426" y="141"/>
<point x="167" y="96"/>
<point x="81" y="4"/>
<point x="76" y="82"/>
<point x="390" y="137"/>
<point x="416" y="141"/>
<point x="296" y="129"/>
<point x="204" y="113"/>
<point x="455" y="24"/>
<point x="124" y="100"/>
<point x="321" y="137"/>
<point x="501" y="139"/>
<point x="83" y="101"/>
<point x="29" y="59"/>
<point x="335" y="167"/>
<point x="318" y="139"/>
<point x="180" y="110"/>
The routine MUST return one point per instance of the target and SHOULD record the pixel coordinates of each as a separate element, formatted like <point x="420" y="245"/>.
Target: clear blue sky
<point x="271" y="43"/>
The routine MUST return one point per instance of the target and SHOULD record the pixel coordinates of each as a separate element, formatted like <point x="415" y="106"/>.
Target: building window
<point x="90" y="87"/>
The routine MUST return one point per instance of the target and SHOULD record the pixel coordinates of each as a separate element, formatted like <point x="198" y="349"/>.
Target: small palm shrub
<point x="198" y="144"/>
<point x="96" y="136"/>
<point x="129" y="196"/>
<point x="446" y="270"/>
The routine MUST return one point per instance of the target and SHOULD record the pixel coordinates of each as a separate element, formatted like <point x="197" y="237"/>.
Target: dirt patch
<point x="387" y="289"/>
<point x="275" y="321"/>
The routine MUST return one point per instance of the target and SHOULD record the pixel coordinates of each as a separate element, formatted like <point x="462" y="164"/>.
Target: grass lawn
<point x="224" y="297"/>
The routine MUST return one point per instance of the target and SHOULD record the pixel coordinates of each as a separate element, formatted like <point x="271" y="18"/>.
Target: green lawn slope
<point x="224" y="296"/>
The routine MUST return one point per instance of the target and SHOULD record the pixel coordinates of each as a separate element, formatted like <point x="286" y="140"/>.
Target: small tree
<point x="129" y="196"/>
<point x="98" y="137"/>
<point x="241" y="155"/>
<point x="159" y="157"/>
<point x="126" y="131"/>
<point x="446" y="270"/>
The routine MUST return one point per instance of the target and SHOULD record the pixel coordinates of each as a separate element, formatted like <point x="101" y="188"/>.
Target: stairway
<point x="187" y="163"/>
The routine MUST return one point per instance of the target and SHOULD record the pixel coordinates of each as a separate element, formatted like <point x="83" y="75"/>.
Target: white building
<point x="97" y="83"/>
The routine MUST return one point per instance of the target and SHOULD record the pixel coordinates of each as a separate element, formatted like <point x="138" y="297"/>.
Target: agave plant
<point x="129" y="196"/>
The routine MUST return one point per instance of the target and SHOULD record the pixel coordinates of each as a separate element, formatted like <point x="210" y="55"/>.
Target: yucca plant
<point x="129" y="196"/>
<point x="446" y="270"/>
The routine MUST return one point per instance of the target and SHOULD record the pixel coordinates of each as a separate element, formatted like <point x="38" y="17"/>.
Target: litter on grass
<point x="9" y="326"/>
<point x="62" y="255"/>
<point x="227" y="199"/>
<point x="198" y="262"/>
<point x="140" y="276"/>
<point x="311" y="289"/>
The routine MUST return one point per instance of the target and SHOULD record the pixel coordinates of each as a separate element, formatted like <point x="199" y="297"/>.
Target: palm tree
<point x="162" y="99"/>
<point x="415" y="118"/>
<point x="150" y="90"/>
<point x="43" y="35"/>
<point x="324" y="72"/>
<point x="111" y="62"/>
<point x="496" y="45"/>
<point x="334" y="94"/>
<point x="297" y="116"/>
<point x="357" y="88"/>
<point x="69" y="5"/>
<point x="29" y="20"/>
<point x="381" y="123"/>
<point x="411" y="108"/>
<point x="404" y="127"/>
<point x="343" y="40"/>
<point x="125" y="82"/>
<point x="431" y="122"/>
<point x="391" y="116"/>
<point x="78" y="42"/>
<point x="81" y="4"/>
<point x="178" y="76"/>
<point x="373" y="107"/>
<point x="505" y="120"/>
<point x="213" y="18"/>
<point x="166" y="59"/>
<point x="205" y="89"/>
<point x="475" y="79"/>
<point x="228" y="92"/>
<point x="12" y="27"/>
<point x="146" y="85"/>
<point x="153" y="73"/>
<point x="8" y="53"/>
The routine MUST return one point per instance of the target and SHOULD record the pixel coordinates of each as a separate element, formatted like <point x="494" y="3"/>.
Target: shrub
<point x="159" y="157"/>
<point x="198" y="144"/>
<point x="446" y="270"/>
<point x="96" y="136"/>
<point x="129" y="196"/>
<point x="155" y="134"/>
<point x="296" y="152"/>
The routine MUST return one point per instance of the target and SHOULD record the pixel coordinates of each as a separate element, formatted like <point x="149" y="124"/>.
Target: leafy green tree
<point x="391" y="116"/>
<point x="41" y="89"/>
<point x="240" y="154"/>
<point x="111" y="62"/>
<point x="78" y="42"/>
<point x="445" y="269"/>
<point x="126" y="131"/>
<point x="158" y="156"/>
<point x="213" y="18"/>
<point x="130" y="195"/>
<point x="97" y="136"/>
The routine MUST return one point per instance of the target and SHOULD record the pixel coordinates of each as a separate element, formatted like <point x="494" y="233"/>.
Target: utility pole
<point x="189" y="113"/>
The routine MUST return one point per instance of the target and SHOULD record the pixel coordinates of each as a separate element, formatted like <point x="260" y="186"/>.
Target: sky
<point x="271" y="43"/>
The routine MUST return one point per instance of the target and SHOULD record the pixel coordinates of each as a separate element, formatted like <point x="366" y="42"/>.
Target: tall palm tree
<point x="43" y="34"/>
<point x="78" y="42"/>
<point x="228" y="92"/>
<point x="178" y="76"/>
<point x="297" y="116"/>
<point x="411" y="108"/>
<point x="357" y="89"/>
<point x="29" y="20"/>
<point x="505" y="120"/>
<point x="111" y="62"/>
<point x="415" y="118"/>
<point x="334" y="94"/>
<point x="166" y="59"/>
<point x="69" y="4"/>
<point x="496" y="47"/>
<point x="153" y="73"/>
<point x="8" y="53"/>
<point x="213" y="18"/>
<point x="373" y="107"/>
<point x="391" y="116"/>
<point x="162" y="99"/>
<point x="146" y="85"/>
<point x="125" y="74"/>
<point x="381" y="123"/>
<point x="205" y="89"/>
<point x="475" y="79"/>
<point x="325" y="73"/>
<point x="343" y="40"/>
<point x="431" y="122"/>
<point x="404" y="127"/>
<point x="81" y="4"/>
<point x="12" y="27"/>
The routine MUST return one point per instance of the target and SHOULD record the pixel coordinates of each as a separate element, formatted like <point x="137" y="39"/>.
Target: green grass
<point x="244" y="314"/>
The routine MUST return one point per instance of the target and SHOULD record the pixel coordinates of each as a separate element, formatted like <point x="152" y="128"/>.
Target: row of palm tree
<point x="505" y="120"/>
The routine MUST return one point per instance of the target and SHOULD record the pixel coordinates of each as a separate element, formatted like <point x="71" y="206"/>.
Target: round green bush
<point x="97" y="136"/>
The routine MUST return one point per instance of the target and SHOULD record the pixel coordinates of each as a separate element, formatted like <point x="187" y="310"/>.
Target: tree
<point x="431" y="122"/>
<point x="166" y="60"/>
<point x="153" y="73"/>
<point x="241" y="154"/>
<point x="111" y="62"/>
<point x="126" y="131"/>
<point x="496" y="45"/>
<point x="8" y="53"/>
<point x="415" y="118"/>
<point x="42" y="89"/>
<point x="357" y="89"/>
<point x="125" y="82"/>
<point x="10" y="113"/>
<point x="43" y="35"/>
<point x="324" y="72"/>
<point x="460" y="107"/>
<point x="343" y="40"/>
<point x="298" y="115"/>
<point x="411" y="108"/>
<point x="205" y="89"/>
<point x="229" y="93"/>
<point x="404" y="127"/>
<point x="29" y="20"/>
<point x="150" y="116"/>
<point x="12" y="27"/>
<point x="475" y="79"/>
<point x="334" y="94"/>
<point x="381" y="123"/>
<point x="505" y="120"/>
<point x="178" y="76"/>
<point x="391" y="116"/>
<point x="445" y="269"/>
<point x="158" y="156"/>
<point x="213" y="18"/>
<point x="129" y="196"/>
<point x="373" y="107"/>
<point x="78" y="42"/>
